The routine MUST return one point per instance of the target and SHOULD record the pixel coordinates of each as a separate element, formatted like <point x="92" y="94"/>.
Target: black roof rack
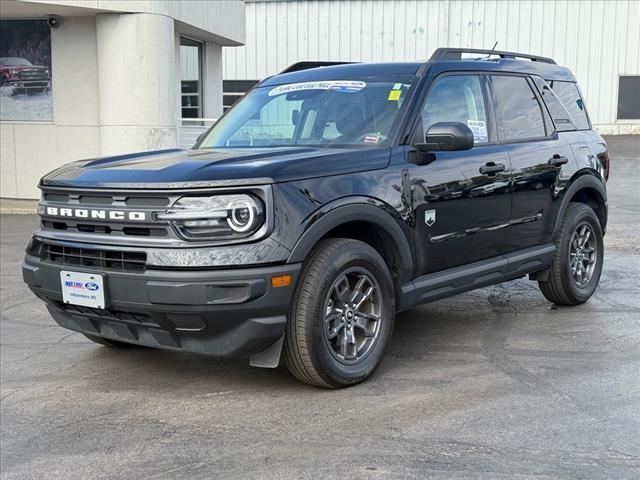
<point x="296" y="67"/>
<point x="456" y="54"/>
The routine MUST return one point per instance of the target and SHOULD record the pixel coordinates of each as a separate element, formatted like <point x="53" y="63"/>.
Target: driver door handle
<point x="558" y="160"/>
<point x="492" y="168"/>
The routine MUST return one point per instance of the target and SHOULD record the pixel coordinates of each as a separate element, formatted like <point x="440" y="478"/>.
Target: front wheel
<point x="341" y="316"/>
<point x="577" y="265"/>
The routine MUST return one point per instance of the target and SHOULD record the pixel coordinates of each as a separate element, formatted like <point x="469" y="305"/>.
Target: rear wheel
<point x="109" y="343"/>
<point x="341" y="316"/>
<point x="577" y="265"/>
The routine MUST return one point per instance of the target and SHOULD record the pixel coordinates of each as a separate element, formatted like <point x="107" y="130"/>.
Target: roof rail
<point x="296" y="67"/>
<point x="456" y="54"/>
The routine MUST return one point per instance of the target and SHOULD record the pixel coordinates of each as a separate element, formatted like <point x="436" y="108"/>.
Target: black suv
<point x="329" y="198"/>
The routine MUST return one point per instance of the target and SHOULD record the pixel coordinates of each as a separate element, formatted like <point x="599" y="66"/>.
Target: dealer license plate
<point x="86" y="289"/>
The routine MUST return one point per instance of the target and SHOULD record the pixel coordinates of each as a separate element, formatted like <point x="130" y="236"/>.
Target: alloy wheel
<point x="583" y="254"/>
<point x="352" y="315"/>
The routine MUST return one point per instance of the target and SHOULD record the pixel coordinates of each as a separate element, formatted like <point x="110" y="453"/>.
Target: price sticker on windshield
<point x="346" y="86"/>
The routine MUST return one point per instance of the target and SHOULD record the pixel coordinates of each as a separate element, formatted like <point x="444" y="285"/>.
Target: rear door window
<point x="519" y="114"/>
<point x="570" y="97"/>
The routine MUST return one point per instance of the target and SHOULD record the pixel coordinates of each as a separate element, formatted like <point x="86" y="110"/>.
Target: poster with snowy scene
<point x="25" y="70"/>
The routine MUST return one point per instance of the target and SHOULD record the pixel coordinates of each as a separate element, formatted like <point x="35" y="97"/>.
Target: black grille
<point x="105" y="229"/>
<point x="190" y="322"/>
<point x="122" y="261"/>
<point x="140" y="318"/>
<point x="187" y="322"/>
<point x="103" y="226"/>
<point x="34" y="75"/>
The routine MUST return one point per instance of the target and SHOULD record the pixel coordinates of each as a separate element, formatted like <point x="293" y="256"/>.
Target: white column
<point x="212" y="60"/>
<point x="136" y="82"/>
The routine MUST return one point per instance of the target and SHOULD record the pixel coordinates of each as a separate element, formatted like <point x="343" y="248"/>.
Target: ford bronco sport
<point x="325" y="201"/>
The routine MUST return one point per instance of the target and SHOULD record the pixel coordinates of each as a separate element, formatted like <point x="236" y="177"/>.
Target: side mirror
<point x="446" y="136"/>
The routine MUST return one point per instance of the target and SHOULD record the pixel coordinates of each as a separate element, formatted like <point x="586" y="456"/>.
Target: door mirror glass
<point x="447" y="136"/>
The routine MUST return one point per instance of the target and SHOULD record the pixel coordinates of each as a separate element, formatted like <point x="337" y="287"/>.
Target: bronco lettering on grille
<point x="96" y="214"/>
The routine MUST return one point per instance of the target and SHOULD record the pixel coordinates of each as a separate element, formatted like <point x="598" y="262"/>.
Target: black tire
<point x="109" y="343"/>
<point x="561" y="287"/>
<point x="308" y="352"/>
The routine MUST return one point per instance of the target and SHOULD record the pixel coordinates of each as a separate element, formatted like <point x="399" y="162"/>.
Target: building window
<point x="234" y="89"/>
<point x="629" y="97"/>
<point x="191" y="77"/>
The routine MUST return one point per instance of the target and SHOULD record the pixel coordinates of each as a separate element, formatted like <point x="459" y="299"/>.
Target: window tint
<point x="457" y="98"/>
<point x="561" y="117"/>
<point x="570" y="97"/>
<point x="517" y="108"/>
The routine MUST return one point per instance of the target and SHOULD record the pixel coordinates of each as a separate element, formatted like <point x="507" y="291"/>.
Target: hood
<point x="177" y="168"/>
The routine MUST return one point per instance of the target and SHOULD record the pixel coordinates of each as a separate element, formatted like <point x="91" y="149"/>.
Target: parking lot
<point x="495" y="383"/>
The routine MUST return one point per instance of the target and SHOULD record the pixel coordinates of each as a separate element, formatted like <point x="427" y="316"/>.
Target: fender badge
<point x="430" y="217"/>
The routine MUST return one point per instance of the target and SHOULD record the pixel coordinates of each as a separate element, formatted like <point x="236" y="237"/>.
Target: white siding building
<point x="113" y="76"/>
<point x="598" y="40"/>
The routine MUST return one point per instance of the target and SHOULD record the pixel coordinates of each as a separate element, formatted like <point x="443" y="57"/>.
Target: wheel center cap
<point x="349" y="314"/>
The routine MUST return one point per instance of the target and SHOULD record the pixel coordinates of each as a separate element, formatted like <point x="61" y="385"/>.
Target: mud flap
<point x="268" y="358"/>
<point x="540" y="276"/>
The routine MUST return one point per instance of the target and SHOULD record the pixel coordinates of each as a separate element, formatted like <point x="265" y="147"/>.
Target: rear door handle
<point x="558" y="160"/>
<point x="492" y="168"/>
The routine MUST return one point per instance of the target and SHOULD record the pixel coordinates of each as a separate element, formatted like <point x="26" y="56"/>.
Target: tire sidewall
<point x="335" y="372"/>
<point x="583" y="214"/>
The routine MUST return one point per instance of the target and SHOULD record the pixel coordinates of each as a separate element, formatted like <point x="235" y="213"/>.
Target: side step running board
<point x="443" y="284"/>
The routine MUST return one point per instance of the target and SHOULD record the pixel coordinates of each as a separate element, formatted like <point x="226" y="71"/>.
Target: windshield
<point x="357" y="112"/>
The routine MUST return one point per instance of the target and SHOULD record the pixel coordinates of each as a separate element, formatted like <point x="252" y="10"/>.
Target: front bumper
<point x="28" y="84"/>
<point x="231" y="313"/>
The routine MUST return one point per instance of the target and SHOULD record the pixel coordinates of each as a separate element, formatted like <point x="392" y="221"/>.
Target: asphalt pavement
<point x="496" y="384"/>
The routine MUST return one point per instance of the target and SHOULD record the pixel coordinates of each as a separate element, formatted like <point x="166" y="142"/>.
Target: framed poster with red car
<point x="25" y="71"/>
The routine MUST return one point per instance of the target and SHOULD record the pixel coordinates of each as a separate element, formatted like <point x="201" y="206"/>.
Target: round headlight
<point x="242" y="218"/>
<point x="232" y="216"/>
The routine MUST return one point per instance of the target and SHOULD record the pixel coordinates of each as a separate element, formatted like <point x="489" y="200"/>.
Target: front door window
<point x="457" y="98"/>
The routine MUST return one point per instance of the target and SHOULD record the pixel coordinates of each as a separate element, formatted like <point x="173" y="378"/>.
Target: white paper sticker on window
<point x="339" y="85"/>
<point x="479" y="129"/>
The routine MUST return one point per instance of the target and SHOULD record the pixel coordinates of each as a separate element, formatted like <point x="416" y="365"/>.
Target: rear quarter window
<point x="561" y="117"/>
<point x="570" y="97"/>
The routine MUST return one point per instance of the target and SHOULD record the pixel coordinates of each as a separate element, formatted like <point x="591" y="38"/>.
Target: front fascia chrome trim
<point x="267" y="251"/>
